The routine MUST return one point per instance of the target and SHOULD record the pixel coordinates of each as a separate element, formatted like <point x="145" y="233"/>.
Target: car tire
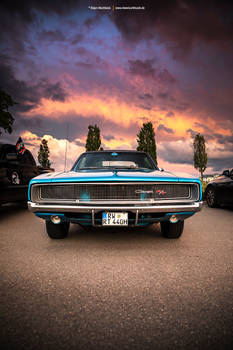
<point x="57" y="231"/>
<point x="170" y="230"/>
<point x="211" y="197"/>
<point x="14" y="178"/>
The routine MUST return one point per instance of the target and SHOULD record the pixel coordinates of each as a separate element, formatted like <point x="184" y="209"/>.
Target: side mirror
<point x="161" y="169"/>
<point x="226" y="173"/>
<point x="11" y="156"/>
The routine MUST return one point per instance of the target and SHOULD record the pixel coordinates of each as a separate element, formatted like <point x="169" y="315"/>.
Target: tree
<point x="93" y="140"/>
<point x="6" y="119"/>
<point x="200" y="156"/>
<point x="43" y="154"/>
<point x="146" y="140"/>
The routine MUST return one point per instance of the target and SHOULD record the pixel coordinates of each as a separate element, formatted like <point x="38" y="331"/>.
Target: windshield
<point x="114" y="160"/>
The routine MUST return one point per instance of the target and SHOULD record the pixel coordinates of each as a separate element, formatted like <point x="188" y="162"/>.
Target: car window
<point x="9" y="149"/>
<point x="116" y="160"/>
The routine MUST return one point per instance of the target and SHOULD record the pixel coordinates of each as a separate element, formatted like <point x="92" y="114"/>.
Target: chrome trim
<point x="136" y="218"/>
<point x="103" y="201"/>
<point x="114" y="202"/>
<point x="93" y="217"/>
<point x="193" y="207"/>
<point x="142" y="191"/>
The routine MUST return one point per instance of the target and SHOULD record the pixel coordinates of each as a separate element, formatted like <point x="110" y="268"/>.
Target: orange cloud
<point x="85" y="105"/>
<point x="121" y="112"/>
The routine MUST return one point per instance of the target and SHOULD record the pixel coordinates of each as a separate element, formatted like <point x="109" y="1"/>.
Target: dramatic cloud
<point x="178" y="23"/>
<point x="68" y="67"/>
<point x="77" y="39"/>
<point x="192" y="132"/>
<point x="170" y="114"/>
<point x="223" y="139"/>
<point x="26" y="9"/>
<point x="148" y="108"/>
<point x="91" y="21"/>
<point x="218" y="164"/>
<point x="53" y="91"/>
<point x="51" y="35"/>
<point x="28" y="95"/>
<point x="91" y="60"/>
<point x="15" y="21"/>
<point x="161" y="127"/>
<point x="181" y="152"/>
<point x="176" y="151"/>
<point x="108" y="137"/>
<point x="146" y="96"/>
<point x="163" y="95"/>
<point x="145" y="69"/>
<point x="202" y="126"/>
<point x="84" y="65"/>
<point x="79" y="143"/>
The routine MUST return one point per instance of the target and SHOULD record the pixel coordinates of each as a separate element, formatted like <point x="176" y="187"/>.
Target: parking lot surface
<point x="116" y="288"/>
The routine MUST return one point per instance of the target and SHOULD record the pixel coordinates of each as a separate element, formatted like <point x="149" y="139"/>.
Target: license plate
<point x="114" y="219"/>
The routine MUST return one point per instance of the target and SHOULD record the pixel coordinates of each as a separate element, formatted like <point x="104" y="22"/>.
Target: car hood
<point x="113" y="175"/>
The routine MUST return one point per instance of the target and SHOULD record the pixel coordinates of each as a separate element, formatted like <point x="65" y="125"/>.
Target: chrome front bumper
<point x="62" y="208"/>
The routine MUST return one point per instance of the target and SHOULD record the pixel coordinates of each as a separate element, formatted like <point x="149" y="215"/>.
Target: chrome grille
<point x="96" y="192"/>
<point x="171" y="191"/>
<point x="85" y="192"/>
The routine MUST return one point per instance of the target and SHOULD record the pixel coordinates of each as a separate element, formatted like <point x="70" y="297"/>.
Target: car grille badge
<point x="161" y="192"/>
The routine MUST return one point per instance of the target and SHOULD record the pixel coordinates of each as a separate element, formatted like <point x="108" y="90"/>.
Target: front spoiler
<point x="171" y="208"/>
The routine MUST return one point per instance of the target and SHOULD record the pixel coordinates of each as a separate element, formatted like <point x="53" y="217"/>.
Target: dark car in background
<point x="220" y="190"/>
<point x="16" y="170"/>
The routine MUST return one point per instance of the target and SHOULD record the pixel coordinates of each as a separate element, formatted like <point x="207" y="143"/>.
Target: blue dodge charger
<point x="114" y="188"/>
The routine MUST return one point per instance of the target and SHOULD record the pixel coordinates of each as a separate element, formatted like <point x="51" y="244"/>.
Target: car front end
<point x="116" y="195"/>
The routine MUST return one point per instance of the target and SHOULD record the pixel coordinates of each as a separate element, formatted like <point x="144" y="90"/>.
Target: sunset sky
<point x="69" y="65"/>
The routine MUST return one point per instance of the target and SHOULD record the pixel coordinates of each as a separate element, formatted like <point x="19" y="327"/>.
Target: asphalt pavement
<point x="116" y="288"/>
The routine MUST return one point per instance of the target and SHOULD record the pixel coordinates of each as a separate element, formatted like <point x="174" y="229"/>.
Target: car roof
<point x="6" y="144"/>
<point x="115" y="150"/>
<point x="3" y="145"/>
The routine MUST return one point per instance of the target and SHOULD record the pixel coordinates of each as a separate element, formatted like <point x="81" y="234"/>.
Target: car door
<point x="229" y="187"/>
<point x="225" y="189"/>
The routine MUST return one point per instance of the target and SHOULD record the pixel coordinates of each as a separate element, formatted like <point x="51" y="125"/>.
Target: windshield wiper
<point x="97" y="167"/>
<point x="122" y="167"/>
<point x="90" y="167"/>
<point x="114" y="168"/>
<point x="146" y="168"/>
